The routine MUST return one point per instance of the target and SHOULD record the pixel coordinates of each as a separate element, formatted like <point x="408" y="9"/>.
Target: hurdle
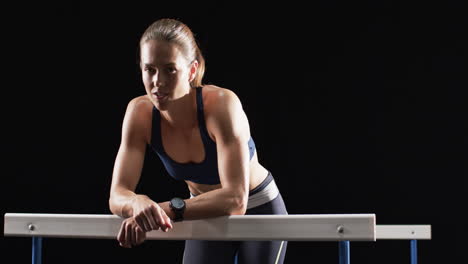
<point x="342" y="228"/>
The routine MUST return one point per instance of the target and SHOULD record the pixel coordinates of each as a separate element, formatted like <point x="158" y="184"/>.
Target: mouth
<point x="159" y="95"/>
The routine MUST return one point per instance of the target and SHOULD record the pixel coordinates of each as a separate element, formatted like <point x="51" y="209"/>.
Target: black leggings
<point x="241" y="252"/>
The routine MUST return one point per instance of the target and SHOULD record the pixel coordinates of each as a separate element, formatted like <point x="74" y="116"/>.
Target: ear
<point x="193" y="70"/>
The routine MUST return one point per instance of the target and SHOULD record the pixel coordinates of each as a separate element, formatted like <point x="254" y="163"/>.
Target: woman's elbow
<point x="239" y="206"/>
<point x="115" y="206"/>
<point x="112" y="206"/>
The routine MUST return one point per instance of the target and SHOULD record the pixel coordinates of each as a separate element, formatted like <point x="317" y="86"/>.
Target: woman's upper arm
<point x="230" y="128"/>
<point x="129" y="161"/>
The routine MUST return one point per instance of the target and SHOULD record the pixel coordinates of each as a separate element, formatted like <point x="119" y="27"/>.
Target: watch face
<point x="177" y="203"/>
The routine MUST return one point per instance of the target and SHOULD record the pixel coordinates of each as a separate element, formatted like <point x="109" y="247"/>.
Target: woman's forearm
<point x="120" y="203"/>
<point x="214" y="203"/>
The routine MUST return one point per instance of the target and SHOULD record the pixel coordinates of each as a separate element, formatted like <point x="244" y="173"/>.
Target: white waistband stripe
<point x="266" y="195"/>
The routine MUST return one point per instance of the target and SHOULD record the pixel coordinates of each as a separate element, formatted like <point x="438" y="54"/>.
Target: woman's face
<point x="166" y="72"/>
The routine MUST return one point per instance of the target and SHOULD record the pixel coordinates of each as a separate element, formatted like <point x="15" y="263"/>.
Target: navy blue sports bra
<point x="205" y="172"/>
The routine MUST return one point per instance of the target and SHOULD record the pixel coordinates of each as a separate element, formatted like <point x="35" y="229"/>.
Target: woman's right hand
<point x="149" y="215"/>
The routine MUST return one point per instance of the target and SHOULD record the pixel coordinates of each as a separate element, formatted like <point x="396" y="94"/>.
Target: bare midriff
<point x="257" y="174"/>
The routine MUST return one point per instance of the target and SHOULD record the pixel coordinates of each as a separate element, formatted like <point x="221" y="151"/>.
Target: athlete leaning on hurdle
<point x="202" y="136"/>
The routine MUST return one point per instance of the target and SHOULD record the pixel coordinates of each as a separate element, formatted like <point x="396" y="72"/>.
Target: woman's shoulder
<point x="223" y="113"/>
<point x="222" y="106"/>
<point x="138" y="116"/>
<point x="140" y="103"/>
<point x="139" y="108"/>
<point x="215" y="97"/>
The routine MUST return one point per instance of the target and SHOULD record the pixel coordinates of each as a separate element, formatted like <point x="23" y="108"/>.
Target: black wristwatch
<point x="177" y="205"/>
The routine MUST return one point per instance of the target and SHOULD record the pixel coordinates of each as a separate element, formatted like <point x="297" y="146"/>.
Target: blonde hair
<point x="174" y="31"/>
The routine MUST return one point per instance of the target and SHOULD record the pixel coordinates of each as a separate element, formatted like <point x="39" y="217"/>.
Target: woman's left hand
<point x="130" y="234"/>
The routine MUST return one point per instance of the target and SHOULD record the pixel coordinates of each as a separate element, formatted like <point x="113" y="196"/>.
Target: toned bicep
<point x="231" y="130"/>
<point x="130" y="157"/>
<point x="127" y="168"/>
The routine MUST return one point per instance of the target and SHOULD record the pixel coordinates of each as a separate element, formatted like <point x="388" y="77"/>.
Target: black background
<point x="355" y="107"/>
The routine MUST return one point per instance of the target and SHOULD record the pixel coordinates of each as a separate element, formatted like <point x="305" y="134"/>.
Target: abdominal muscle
<point x="257" y="174"/>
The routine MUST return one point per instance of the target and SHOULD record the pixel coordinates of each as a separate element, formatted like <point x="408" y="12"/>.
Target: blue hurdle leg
<point x="414" y="251"/>
<point x="37" y="250"/>
<point x="344" y="252"/>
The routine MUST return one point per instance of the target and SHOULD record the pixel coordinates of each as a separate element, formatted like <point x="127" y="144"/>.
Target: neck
<point x="183" y="112"/>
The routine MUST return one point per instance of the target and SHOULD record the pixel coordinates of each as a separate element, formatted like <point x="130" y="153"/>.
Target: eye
<point x="171" y="70"/>
<point x="149" y="70"/>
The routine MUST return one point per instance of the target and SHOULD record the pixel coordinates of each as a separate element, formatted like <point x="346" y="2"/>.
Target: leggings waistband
<point x="263" y="193"/>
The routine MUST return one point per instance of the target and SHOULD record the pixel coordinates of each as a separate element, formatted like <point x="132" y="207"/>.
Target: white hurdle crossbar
<point x="307" y="227"/>
<point x="246" y="227"/>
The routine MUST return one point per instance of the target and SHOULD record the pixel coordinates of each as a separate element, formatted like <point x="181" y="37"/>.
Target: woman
<point x="202" y="136"/>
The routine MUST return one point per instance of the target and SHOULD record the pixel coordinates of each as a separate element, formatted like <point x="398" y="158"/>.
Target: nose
<point x="157" y="80"/>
